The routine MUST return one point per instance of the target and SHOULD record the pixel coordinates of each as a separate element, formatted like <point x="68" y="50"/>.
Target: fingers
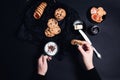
<point x="49" y="58"/>
<point x="86" y="47"/>
<point x="89" y="48"/>
<point x="81" y="49"/>
<point x="44" y="58"/>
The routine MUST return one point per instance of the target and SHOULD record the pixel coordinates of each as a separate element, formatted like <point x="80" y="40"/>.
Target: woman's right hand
<point x="87" y="53"/>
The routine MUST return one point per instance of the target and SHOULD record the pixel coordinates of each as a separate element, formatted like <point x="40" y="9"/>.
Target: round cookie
<point x="52" y="23"/>
<point x="55" y="30"/>
<point x="48" y="33"/>
<point x="60" y="14"/>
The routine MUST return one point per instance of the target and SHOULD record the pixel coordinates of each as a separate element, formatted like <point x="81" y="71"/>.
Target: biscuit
<point x="76" y="42"/>
<point x="48" y="33"/>
<point x="60" y="14"/>
<point x="52" y="23"/>
<point x="55" y="30"/>
<point x="39" y="10"/>
<point x="58" y="30"/>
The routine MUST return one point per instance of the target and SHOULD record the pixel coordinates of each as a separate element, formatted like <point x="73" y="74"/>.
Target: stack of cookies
<point x="53" y="28"/>
<point x="39" y="10"/>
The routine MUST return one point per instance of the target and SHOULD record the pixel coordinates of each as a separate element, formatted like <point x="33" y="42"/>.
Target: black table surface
<point x="17" y="57"/>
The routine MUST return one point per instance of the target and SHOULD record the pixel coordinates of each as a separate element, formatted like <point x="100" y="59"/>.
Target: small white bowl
<point x="51" y="48"/>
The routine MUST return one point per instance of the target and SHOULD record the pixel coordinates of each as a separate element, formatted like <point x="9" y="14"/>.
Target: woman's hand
<point x="87" y="53"/>
<point x="43" y="65"/>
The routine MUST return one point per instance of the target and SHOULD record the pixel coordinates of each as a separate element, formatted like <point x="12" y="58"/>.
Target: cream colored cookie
<point x="52" y="23"/>
<point x="76" y="42"/>
<point x="48" y="33"/>
<point x="55" y="30"/>
<point x="60" y="14"/>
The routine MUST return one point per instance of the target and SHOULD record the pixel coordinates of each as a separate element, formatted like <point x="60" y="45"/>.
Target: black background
<point x="16" y="57"/>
